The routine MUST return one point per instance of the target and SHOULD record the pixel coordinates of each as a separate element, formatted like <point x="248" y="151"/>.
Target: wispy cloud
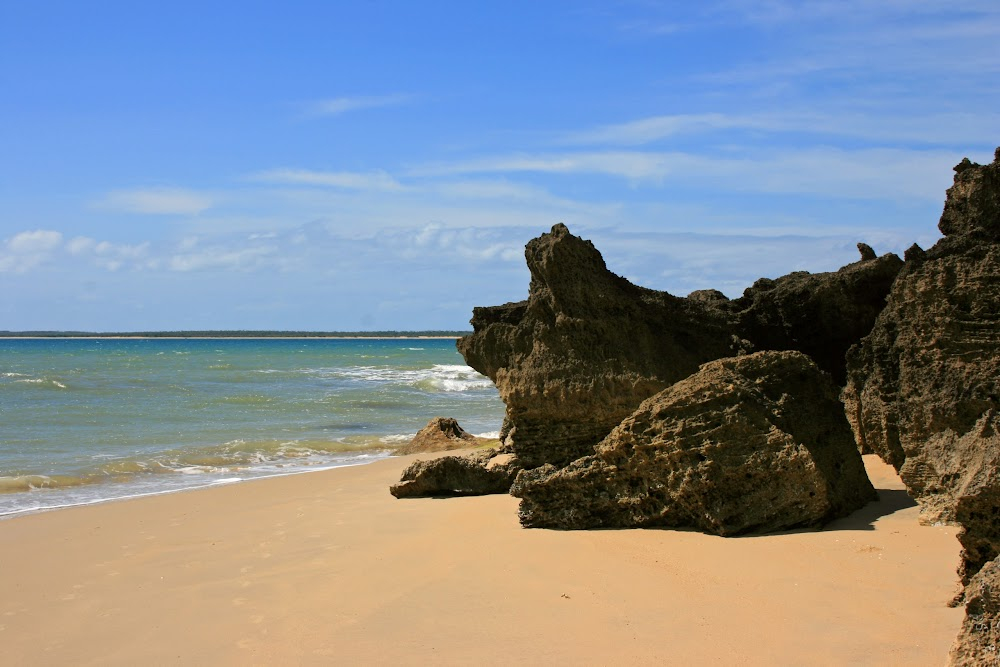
<point x="864" y="173"/>
<point x="157" y="201"/>
<point x="633" y="165"/>
<point x="914" y="127"/>
<point x="107" y="255"/>
<point x="647" y="130"/>
<point x="340" y="105"/>
<point x="224" y="258"/>
<point x="373" y="180"/>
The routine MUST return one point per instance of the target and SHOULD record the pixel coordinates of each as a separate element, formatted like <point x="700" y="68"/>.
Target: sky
<point x="380" y="165"/>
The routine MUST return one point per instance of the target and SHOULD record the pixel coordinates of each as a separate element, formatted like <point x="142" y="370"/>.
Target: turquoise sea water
<point x="88" y="420"/>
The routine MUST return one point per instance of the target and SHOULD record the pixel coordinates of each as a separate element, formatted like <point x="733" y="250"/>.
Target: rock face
<point x="587" y="346"/>
<point x="440" y="435"/>
<point x="923" y="388"/>
<point x="746" y="444"/>
<point x="477" y="474"/>
<point x="821" y="314"/>
<point x="585" y="349"/>
<point x="978" y="643"/>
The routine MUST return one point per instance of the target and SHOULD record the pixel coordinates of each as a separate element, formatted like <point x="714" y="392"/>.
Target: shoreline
<point x="328" y="567"/>
<point x="8" y="515"/>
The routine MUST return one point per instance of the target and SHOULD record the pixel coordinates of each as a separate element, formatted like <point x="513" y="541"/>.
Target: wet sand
<point x="328" y="568"/>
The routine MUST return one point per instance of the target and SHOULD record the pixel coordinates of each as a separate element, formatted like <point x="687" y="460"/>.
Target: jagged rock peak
<point x="973" y="203"/>
<point x="585" y="348"/>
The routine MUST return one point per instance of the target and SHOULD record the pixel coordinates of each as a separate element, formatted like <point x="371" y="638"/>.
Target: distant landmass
<point x="234" y="334"/>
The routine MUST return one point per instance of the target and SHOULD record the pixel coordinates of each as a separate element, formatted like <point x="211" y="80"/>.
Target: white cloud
<point x="26" y="250"/>
<point x="864" y="173"/>
<point x="946" y="128"/>
<point x="157" y="201"/>
<point x="38" y="241"/>
<point x="107" y="255"/>
<point x="240" y="259"/>
<point x="340" y="105"/>
<point x="374" y="180"/>
<point x="633" y="165"/>
<point x="80" y="245"/>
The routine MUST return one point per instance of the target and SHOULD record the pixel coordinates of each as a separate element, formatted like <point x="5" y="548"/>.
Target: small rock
<point x="440" y="435"/>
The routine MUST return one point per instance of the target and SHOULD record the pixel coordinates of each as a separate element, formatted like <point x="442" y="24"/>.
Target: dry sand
<point x="328" y="568"/>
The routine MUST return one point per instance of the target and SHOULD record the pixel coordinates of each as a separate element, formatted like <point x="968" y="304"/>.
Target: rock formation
<point x="440" y="435"/>
<point x="924" y="387"/>
<point x="978" y="643"/>
<point x="585" y="349"/>
<point x="587" y="346"/>
<point x="751" y="443"/>
<point x="821" y="314"/>
<point x="479" y="473"/>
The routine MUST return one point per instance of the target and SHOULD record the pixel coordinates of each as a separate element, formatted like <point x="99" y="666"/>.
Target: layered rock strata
<point x="476" y="474"/>
<point x="748" y="444"/>
<point x="923" y="388"/>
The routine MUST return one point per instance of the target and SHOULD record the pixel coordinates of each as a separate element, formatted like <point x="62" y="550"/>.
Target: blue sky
<point x="380" y="165"/>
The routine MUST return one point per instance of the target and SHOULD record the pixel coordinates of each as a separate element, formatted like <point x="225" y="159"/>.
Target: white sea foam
<point x="440" y="377"/>
<point x="396" y="438"/>
<point x="43" y="381"/>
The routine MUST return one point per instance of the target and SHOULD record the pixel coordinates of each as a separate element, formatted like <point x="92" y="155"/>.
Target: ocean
<point x="91" y="420"/>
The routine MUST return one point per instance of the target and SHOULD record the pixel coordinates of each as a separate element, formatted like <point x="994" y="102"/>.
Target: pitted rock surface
<point x="923" y="388"/>
<point x="978" y="643"/>
<point x="476" y="474"/>
<point x="747" y="444"/>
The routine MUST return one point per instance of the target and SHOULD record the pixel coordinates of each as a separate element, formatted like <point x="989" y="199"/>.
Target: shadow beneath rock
<point x="889" y="502"/>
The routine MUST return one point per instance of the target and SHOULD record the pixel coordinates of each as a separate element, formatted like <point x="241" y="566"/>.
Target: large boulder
<point x="441" y="434"/>
<point x="476" y="474"/>
<point x="747" y="444"/>
<point x="587" y="346"/>
<point x="923" y="387"/>
<point x="978" y="643"/>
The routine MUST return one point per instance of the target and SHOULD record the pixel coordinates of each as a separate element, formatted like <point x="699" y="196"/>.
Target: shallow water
<point x="94" y="419"/>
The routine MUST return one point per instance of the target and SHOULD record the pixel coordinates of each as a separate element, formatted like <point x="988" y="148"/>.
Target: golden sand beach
<point x="328" y="568"/>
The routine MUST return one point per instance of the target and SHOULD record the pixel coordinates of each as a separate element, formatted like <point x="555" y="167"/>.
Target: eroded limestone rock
<point x="440" y="435"/>
<point x="747" y="444"/>
<point x="587" y="346"/>
<point x="476" y="474"/>
<point x="585" y="349"/>
<point x="923" y="388"/>
<point x="978" y="643"/>
<point x="821" y="314"/>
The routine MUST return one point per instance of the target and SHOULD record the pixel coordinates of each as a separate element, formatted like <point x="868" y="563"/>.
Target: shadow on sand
<point x="889" y="502"/>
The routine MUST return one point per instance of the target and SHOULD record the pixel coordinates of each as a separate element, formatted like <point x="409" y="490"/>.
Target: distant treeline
<point x="234" y="334"/>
